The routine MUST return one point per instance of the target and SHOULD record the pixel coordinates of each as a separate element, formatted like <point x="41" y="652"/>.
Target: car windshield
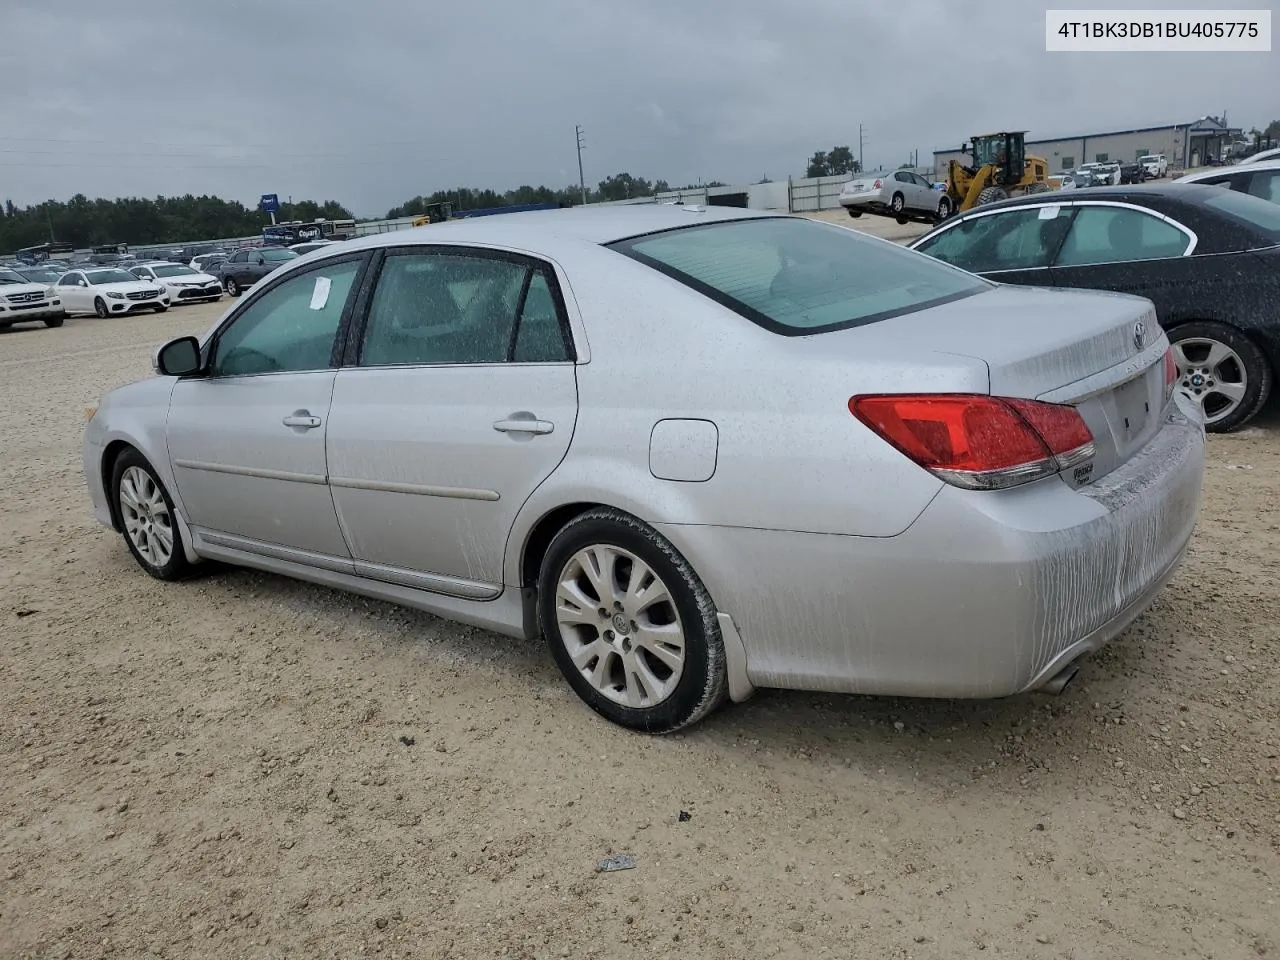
<point x="109" y="276"/>
<point x="41" y="276"/>
<point x="272" y="255"/>
<point x="1149" y="159"/>
<point x="8" y="276"/>
<point x="1262" y="216"/>
<point x="173" y="270"/>
<point x="795" y="276"/>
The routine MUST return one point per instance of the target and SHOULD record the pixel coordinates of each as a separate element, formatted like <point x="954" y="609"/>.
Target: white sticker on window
<point x="320" y="295"/>
<point x="1049" y="213"/>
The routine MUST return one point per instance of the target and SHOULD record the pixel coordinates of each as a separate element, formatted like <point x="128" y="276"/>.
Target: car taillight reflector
<point x="1170" y="373"/>
<point x="976" y="441"/>
<point x="878" y="185"/>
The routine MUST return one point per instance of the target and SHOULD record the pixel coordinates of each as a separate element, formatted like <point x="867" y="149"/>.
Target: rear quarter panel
<point x="789" y="456"/>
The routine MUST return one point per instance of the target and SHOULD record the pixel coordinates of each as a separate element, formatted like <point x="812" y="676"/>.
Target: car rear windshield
<point x="796" y="276"/>
<point x="173" y="271"/>
<point x="1262" y="216"/>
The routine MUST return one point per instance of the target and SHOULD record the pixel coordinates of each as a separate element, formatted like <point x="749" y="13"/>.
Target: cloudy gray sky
<point x="370" y="102"/>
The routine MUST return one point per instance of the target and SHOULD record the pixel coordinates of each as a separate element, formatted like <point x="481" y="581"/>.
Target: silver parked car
<point x="700" y="450"/>
<point x="898" y="194"/>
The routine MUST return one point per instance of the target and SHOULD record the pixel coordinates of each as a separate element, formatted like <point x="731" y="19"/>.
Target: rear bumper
<point x="986" y="595"/>
<point x="874" y="200"/>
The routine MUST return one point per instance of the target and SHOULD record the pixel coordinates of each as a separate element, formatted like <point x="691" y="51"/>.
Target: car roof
<point x="1193" y="193"/>
<point x="1231" y="171"/>
<point x="601" y="224"/>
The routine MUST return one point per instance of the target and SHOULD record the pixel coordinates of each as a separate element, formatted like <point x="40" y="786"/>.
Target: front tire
<point x="898" y="203"/>
<point x="992" y="195"/>
<point x="147" y="518"/>
<point x="100" y="308"/>
<point x="161" y="309"/>
<point x="944" y="208"/>
<point x="630" y="624"/>
<point x="1222" y="371"/>
<point x="55" y="321"/>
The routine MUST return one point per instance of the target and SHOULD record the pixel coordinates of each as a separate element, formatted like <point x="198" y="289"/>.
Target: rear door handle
<point x="301" y="419"/>
<point x="523" y="423"/>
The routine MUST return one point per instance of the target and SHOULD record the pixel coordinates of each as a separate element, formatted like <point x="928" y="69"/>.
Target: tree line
<point x="86" y="223"/>
<point x="620" y="186"/>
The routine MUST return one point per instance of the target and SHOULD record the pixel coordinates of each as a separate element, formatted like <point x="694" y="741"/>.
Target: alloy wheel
<point x="620" y="626"/>
<point x="1212" y="375"/>
<point x="147" y="521"/>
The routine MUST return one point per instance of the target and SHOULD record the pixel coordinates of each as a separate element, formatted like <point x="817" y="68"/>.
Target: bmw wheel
<point x="630" y="625"/>
<point x="1222" y="371"/>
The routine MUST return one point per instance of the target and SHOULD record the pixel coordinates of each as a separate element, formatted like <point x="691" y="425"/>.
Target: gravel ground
<point x="243" y="766"/>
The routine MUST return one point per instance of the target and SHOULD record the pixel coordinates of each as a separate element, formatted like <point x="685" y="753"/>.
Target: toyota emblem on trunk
<point x="1139" y="333"/>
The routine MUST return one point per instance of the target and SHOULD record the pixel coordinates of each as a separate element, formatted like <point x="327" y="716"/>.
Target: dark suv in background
<point x="244" y="268"/>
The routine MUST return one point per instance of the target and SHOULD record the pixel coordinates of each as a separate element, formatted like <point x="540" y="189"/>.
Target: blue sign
<point x="269" y="203"/>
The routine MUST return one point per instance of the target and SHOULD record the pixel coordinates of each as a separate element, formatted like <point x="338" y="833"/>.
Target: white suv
<point x="1156" y="164"/>
<point x="22" y="301"/>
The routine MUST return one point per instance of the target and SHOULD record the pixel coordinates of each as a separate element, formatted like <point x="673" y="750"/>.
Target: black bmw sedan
<point x="1208" y="258"/>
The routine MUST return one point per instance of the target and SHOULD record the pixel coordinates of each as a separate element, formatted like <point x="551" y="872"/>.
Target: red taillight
<point x="979" y="442"/>
<point x="1170" y="374"/>
<point x="877" y="185"/>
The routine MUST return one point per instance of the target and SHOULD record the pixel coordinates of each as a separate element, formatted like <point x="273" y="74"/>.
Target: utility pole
<point x="862" y="164"/>
<point x="582" y="181"/>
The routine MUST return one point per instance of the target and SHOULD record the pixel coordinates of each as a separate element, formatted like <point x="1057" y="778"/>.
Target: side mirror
<point x="178" y="358"/>
<point x="262" y="261"/>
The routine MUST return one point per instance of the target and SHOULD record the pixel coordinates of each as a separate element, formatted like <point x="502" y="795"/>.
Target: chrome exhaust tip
<point x="1058" y="682"/>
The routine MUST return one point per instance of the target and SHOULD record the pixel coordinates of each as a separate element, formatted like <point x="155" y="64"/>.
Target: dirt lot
<point x="243" y="766"/>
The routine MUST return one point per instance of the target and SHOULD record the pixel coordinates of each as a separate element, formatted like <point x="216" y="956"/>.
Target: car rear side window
<point x="443" y="308"/>
<point x="1260" y="216"/>
<point x="1265" y="185"/>
<point x="795" y="276"/>
<point x="1105" y="234"/>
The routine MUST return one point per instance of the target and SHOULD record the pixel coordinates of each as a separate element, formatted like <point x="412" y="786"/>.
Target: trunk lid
<point x="1101" y="352"/>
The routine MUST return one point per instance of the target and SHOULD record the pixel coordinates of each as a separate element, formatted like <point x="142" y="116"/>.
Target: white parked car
<point x="1261" y="179"/>
<point x="1261" y="156"/>
<point x="1097" y="175"/>
<point x="1156" y="165"/>
<point x="205" y="260"/>
<point x="1063" y="181"/>
<point x="109" y="291"/>
<point x="182" y="284"/>
<point x="897" y="194"/>
<point x="22" y="301"/>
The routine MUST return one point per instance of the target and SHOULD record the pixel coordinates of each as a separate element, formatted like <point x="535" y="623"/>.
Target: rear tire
<point x="100" y="308"/>
<point x="1221" y="356"/>
<point x="232" y="288"/>
<point x="992" y="195"/>
<point x="660" y="641"/>
<point x="854" y="213"/>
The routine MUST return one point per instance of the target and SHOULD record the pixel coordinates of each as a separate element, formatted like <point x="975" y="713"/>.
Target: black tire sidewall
<point x="673" y="712"/>
<point x="177" y="565"/>
<point x="1257" y="369"/>
<point x="898" y="203"/>
<point x="100" y="308"/>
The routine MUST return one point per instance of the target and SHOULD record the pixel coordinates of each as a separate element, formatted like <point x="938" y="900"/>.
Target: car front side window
<point x="289" y="328"/>
<point x="443" y="308"/>
<point x="1019" y="239"/>
<point x="1106" y="234"/>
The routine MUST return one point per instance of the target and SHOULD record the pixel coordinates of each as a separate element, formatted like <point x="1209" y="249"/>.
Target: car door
<point x="247" y="439"/>
<point x="925" y="198"/>
<point x="1013" y="245"/>
<point x="461" y="399"/>
<point x="71" y="288"/>
<point x="1128" y="249"/>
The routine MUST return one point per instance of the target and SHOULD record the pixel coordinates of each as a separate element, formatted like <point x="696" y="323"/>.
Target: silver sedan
<point x="700" y="451"/>
<point x="901" y="194"/>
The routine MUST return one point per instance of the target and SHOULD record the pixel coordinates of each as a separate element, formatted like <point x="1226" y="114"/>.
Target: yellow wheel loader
<point x="436" y="213"/>
<point x="1000" y="169"/>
